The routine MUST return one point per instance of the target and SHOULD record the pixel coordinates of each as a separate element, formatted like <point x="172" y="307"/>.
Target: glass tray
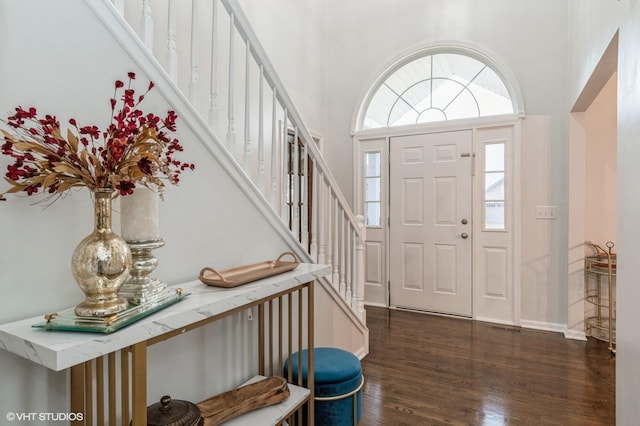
<point x="67" y="320"/>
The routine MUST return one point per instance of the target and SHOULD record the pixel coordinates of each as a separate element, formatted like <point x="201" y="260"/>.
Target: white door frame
<point x="377" y="290"/>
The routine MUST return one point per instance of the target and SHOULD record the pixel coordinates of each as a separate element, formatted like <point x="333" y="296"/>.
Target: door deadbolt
<point x="464" y="221"/>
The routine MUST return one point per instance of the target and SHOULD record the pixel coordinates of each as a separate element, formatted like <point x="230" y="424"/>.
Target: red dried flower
<point x="92" y="131"/>
<point x="125" y="187"/>
<point x="32" y="189"/>
<point x="133" y="150"/>
<point x="146" y="166"/>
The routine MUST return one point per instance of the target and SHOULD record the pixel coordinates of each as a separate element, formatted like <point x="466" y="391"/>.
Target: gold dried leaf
<point x="23" y="145"/>
<point x="15" y="186"/>
<point x="8" y="136"/>
<point x="37" y="179"/>
<point x="50" y="180"/>
<point x="73" y="140"/>
<point x="136" y="174"/>
<point x="56" y="133"/>
<point x="65" y="168"/>
<point x="68" y="183"/>
<point x="15" y="189"/>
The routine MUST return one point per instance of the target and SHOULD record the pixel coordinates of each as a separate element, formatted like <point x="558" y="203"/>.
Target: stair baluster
<point x="313" y="214"/>
<point x="304" y="198"/>
<point x="343" y="254"/>
<point x="274" y="151"/>
<point x="246" y="152"/>
<point x="321" y="216"/>
<point x="260" y="181"/>
<point x="194" y="94"/>
<point x="213" y="101"/>
<point x="231" y="131"/>
<point x="146" y="24"/>
<point x="171" y="56"/>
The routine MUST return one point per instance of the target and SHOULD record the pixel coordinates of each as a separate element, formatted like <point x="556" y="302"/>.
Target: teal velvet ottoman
<point x="338" y="384"/>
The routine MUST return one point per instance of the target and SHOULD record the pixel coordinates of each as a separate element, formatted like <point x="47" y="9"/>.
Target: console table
<point x="108" y="372"/>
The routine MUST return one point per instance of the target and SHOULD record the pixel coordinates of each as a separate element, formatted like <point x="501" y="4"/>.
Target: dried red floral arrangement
<point x="135" y="149"/>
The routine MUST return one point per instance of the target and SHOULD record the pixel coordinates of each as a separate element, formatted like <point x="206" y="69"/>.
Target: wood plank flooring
<point x="431" y="370"/>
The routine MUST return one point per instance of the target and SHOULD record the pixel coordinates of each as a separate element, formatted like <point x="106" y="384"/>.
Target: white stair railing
<point x="223" y="57"/>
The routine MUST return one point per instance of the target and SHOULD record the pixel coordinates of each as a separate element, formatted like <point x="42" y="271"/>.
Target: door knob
<point x="464" y="235"/>
<point x="464" y="221"/>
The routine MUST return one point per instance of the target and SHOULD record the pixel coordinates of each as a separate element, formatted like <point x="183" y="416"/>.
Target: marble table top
<point x="59" y="350"/>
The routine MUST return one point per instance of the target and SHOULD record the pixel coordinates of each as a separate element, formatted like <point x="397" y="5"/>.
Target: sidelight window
<point x="373" y="188"/>
<point x="494" y="186"/>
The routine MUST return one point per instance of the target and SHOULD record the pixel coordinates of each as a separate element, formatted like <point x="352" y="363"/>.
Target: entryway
<point x="416" y="253"/>
<point x="430" y="245"/>
<point x="437" y="144"/>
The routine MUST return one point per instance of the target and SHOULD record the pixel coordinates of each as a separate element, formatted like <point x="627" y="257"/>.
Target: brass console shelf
<point x="108" y="372"/>
<point x="600" y="272"/>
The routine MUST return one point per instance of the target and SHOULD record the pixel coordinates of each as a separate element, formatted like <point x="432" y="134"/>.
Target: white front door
<point x="430" y="191"/>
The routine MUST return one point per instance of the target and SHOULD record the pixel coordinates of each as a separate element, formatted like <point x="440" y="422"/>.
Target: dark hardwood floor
<point x="431" y="370"/>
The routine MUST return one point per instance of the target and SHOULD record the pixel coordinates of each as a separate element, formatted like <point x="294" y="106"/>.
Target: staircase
<point x="229" y="84"/>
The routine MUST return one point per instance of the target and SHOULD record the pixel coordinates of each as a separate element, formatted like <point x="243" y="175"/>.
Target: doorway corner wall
<point x="592" y="177"/>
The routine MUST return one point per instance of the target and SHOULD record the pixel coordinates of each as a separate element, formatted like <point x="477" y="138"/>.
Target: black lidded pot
<point x="174" y="412"/>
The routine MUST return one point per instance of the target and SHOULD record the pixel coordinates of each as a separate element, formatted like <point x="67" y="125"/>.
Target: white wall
<point x="293" y="33"/>
<point x="576" y="238"/>
<point x="628" y="239"/>
<point x="601" y="166"/>
<point x="593" y="24"/>
<point x="206" y="221"/>
<point x="543" y="248"/>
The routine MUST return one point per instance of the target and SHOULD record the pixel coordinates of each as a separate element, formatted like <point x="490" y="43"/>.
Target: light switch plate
<point x="546" y="212"/>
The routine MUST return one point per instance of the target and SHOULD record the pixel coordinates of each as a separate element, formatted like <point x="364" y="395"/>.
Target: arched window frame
<point x="501" y="70"/>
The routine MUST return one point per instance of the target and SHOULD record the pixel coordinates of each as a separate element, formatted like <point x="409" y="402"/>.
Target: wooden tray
<point x="218" y="409"/>
<point x="245" y="274"/>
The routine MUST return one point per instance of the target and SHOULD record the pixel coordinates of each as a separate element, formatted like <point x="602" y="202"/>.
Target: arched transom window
<point x="438" y="87"/>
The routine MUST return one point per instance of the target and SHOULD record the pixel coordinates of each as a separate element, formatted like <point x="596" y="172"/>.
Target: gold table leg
<point x="139" y="385"/>
<point x="77" y="392"/>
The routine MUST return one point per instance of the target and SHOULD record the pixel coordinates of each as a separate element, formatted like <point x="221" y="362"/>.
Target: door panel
<point x="445" y="263"/>
<point x="412" y="202"/>
<point x="430" y="194"/>
<point x="413" y="267"/>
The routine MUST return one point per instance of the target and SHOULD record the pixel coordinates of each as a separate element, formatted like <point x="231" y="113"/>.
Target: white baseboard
<point x="375" y="304"/>
<point x="361" y="353"/>
<point x="544" y="326"/>
<point x="575" y="335"/>
<point x="495" y="321"/>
